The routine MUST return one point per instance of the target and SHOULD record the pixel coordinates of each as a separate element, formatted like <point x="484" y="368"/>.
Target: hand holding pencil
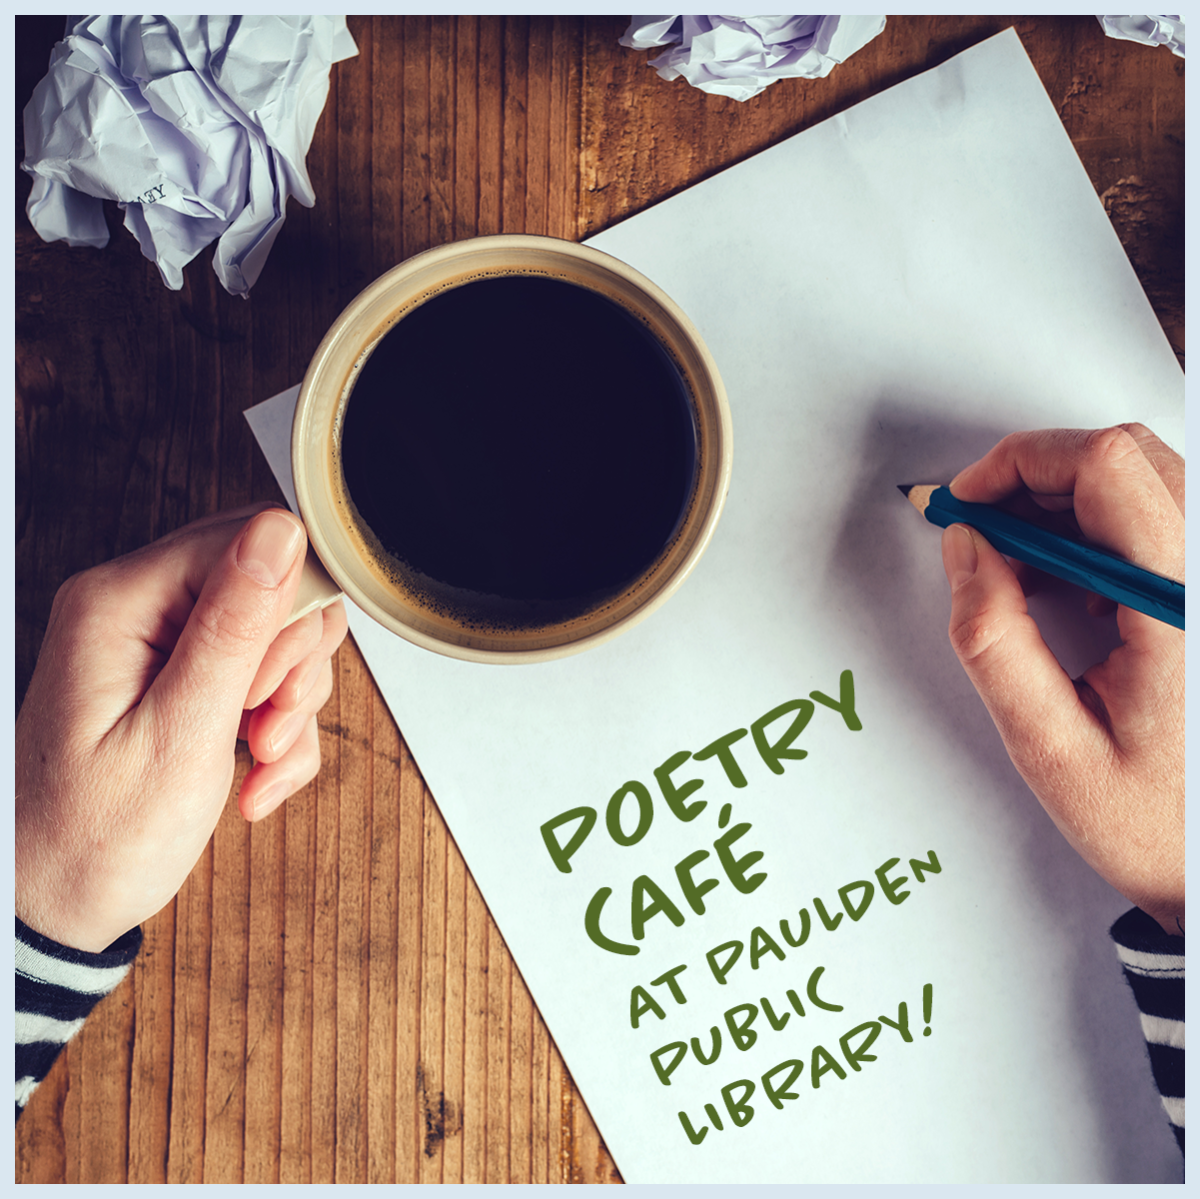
<point x="1105" y="753"/>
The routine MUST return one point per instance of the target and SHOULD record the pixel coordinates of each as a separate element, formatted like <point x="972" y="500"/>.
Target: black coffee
<point x="522" y="440"/>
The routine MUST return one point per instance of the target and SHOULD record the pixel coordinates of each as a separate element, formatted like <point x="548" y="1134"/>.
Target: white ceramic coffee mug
<point x="335" y="532"/>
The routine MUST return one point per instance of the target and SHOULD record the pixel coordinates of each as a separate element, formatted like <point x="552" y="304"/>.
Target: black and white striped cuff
<point x="1154" y="967"/>
<point x="56" y="987"/>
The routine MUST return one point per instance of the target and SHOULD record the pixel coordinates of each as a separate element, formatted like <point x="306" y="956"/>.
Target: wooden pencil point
<point x="918" y="494"/>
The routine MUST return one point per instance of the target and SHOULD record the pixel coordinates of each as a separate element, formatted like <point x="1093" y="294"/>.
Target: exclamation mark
<point x="927" y="1006"/>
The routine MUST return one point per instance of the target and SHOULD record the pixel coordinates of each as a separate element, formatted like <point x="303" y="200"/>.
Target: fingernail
<point x="270" y="799"/>
<point x="269" y="546"/>
<point x="959" y="555"/>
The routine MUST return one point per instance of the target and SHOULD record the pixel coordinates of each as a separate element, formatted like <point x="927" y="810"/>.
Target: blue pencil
<point x="1075" y="561"/>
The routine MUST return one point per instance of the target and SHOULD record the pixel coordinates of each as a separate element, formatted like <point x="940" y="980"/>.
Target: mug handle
<point x="317" y="589"/>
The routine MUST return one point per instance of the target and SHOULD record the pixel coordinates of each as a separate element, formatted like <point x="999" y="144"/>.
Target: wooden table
<point x="328" y="998"/>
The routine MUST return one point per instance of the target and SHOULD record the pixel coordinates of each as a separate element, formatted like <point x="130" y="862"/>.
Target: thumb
<point x="244" y="600"/>
<point x="1030" y="698"/>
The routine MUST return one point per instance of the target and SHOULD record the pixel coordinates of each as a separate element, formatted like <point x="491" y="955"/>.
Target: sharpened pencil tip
<point x="905" y="488"/>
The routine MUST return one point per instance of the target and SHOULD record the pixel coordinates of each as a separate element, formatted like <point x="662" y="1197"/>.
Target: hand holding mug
<point x="153" y="665"/>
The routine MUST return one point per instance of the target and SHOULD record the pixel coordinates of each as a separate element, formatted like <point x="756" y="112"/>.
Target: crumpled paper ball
<point x="742" y="56"/>
<point x="1150" y="31"/>
<point x="197" y="126"/>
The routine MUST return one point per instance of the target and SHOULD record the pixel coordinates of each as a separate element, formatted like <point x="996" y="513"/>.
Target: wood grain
<point x="328" y="998"/>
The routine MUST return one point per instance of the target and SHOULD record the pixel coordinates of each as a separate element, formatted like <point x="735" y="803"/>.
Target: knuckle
<point x="220" y="626"/>
<point x="81" y="592"/>
<point x="1011" y="443"/>
<point x="303" y="636"/>
<point x="976" y="634"/>
<point x="1139" y="432"/>
<point x="289" y="695"/>
<point x="1107" y="449"/>
<point x="309" y="693"/>
<point x="82" y="607"/>
<point x="286" y="659"/>
<point x="1166" y="462"/>
<point x="335" y="625"/>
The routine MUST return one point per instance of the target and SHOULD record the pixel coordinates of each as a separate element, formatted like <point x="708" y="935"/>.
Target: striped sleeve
<point x="1153" y="963"/>
<point x="56" y="988"/>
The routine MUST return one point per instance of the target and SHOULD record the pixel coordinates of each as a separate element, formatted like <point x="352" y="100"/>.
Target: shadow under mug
<point x="335" y="532"/>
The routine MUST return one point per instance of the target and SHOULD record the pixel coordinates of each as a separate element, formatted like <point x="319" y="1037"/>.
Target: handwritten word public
<point x="738" y="1020"/>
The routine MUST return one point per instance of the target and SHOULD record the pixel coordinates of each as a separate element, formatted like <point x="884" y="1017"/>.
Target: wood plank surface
<point x="328" y="998"/>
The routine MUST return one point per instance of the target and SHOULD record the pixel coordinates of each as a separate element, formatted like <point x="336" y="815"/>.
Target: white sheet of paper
<point x="886" y="294"/>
